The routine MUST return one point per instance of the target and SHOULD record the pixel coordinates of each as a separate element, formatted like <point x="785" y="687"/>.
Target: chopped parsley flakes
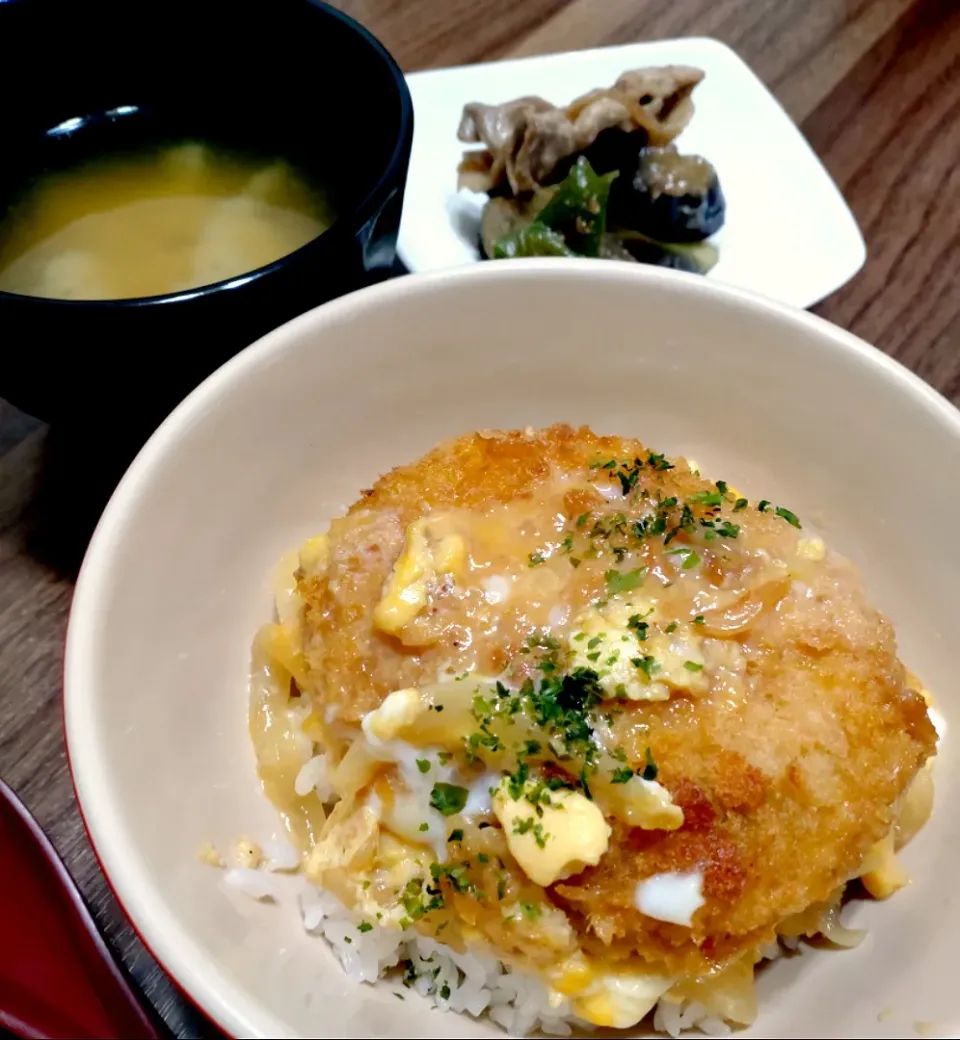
<point x="448" y="799"/>
<point x="624" y="581"/>
<point x="638" y="626"/>
<point x="650" y="770"/>
<point x="531" y="910"/>
<point x="785" y="514"/>
<point x="647" y="664"/>
<point x="690" y="557"/>
<point x="529" y="824"/>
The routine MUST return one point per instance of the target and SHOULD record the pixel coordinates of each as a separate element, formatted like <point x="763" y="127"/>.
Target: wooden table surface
<point x="873" y="84"/>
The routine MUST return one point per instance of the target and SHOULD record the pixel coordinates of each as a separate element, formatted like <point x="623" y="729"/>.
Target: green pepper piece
<point x="535" y="240"/>
<point x="578" y="210"/>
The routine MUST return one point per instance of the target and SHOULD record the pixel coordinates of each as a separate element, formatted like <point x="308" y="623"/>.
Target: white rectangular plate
<point x="789" y="233"/>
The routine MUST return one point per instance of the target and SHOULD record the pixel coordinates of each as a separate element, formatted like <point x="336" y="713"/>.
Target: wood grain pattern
<point x="875" y="86"/>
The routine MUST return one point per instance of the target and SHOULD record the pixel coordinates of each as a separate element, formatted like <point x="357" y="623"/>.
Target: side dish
<point x="599" y="177"/>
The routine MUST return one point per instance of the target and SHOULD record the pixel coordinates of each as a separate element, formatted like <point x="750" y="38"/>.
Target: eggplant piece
<point x="695" y="257"/>
<point x="612" y="151"/>
<point x="670" y="197"/>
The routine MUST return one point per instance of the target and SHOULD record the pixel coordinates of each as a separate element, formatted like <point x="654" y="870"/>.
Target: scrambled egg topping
<point x="399" y="710"/>
<point x="607" y="995"/>
<point x="882" y="874"/>
<point x="811" y="548"/>
<point x="424" y="558"/>
<point x="635" y="655"/>
<point x="645" y="803"/>
<point x="620" y="999"/>
<point x="567" y="835"/>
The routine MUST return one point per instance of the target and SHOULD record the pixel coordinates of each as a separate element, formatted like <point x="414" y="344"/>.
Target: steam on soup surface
<point x="155" y="222"/>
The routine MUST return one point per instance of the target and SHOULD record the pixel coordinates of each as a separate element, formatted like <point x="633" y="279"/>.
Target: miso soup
<point x="155" y="222"/>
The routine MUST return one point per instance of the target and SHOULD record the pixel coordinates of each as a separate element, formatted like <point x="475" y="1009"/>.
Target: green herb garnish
<point x="448" y="799"/>
<point x="690" y="557"/>
<point x="658" y="462"/>
<point x="637" y="626"/>
<point x="647" y="664"/>
<point x="650" y="770"/>
<point x="791" y="518"/>
<point x="624" y="581"/>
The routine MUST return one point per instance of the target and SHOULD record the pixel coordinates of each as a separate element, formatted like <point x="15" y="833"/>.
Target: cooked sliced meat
<point x="526" y="139"/>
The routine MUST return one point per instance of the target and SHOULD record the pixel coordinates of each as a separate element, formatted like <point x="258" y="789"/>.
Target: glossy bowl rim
<point x="350" y="223"/>
<point x="194" y="973"/>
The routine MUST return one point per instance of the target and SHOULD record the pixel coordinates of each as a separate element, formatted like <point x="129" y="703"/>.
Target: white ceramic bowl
<point x="177" y="579"/>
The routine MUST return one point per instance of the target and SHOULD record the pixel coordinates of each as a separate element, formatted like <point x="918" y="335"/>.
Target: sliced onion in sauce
<point x="836" y="932"/>
<point x="276" y="729"/>
<point x="741" y="615"/>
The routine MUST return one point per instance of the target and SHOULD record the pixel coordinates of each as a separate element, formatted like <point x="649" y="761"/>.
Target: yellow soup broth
<point x="155" y="222"/>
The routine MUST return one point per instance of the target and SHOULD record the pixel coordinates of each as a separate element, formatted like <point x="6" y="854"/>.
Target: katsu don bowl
<point x="541" y="646"/>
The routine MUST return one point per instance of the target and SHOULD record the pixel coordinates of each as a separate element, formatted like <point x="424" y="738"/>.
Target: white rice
<point x="462" y="982"/>
<point x="313" y="776"/>
<point x="673" y="1018"/>
<point x="471" y="983"/>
